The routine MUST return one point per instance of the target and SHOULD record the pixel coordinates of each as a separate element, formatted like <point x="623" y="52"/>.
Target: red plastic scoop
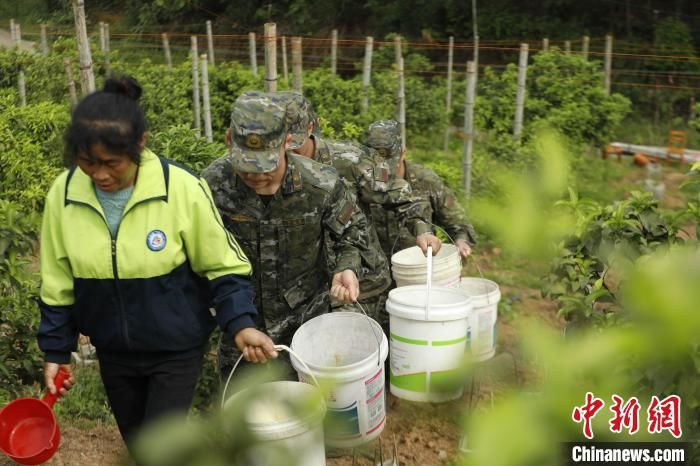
<point x="29" y="432"/>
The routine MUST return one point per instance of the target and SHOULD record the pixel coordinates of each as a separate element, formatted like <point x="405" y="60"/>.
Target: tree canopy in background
<point x="498" y="19"/>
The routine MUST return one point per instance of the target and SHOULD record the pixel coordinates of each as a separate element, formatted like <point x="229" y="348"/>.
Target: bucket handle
<point x="481" y="274"/>
<point x="278" y="348"/>
<point x="429" y="281"/>
<point x="379" y="341"/>
<point x="393" y="247"/>
<point x="50" y="398"/>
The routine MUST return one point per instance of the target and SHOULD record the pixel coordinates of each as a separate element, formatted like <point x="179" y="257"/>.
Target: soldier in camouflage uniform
<point x="280" y="206"/>
<point x="444" y="208"/>
<point x="373" y="180"/>
<point x="370" y="173"/>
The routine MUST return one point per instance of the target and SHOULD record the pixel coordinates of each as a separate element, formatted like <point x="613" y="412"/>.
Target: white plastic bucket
<point x="485" y="295"/>
<point x="408" y="266"/>
<point x="426" y="355"/>
<point x="273" y="417"/>
<point x="347" y="350"/>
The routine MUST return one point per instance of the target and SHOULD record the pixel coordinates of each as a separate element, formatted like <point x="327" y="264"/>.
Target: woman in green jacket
<point x="134" y="255"/>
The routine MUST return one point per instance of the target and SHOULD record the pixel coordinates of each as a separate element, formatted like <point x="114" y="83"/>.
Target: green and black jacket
<point x="150" y="288"/>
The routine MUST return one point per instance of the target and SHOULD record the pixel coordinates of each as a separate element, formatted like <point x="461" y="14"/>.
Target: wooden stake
<point x="545" y="44"/>
<point x="107" y="49"/>
<point x="18" y="36"/>
<point x="205" y="99"/>
<point x="102" y="37"/>
<point x="270" y="57"/>
<point x="44" y="43"/>
<point x="334" y="51"/>
<point x="195" y="85"/>
<point x="401" y="101"/>
<point x="70" y="83"/>
<point x="12" y="31"/>
<point x="166" y="48"/>
<point x="469" y="100"/>
<point x="366" y="74"/>
<point x="253" y="54"/>
<point x="448" y="100"/>
<point x="398" y="53"/>
<point x="476" y="41"/>
<point x="297" y="77"/>
<point x="692" y="111"/>
<point x="22" y="87"/>
<point x="567" y="47"/>
<point x="210" y="44"/>
<point x="87" y="78"/>
<point x="520" y="95"/>
<point x="285" y="69"/>
<point x="608" y="63"/>
<point x="584" y="46"/>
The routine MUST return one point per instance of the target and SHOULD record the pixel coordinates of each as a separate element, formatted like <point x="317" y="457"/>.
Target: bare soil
<point x="426" y="434"/>
<point x="5" y="41"/>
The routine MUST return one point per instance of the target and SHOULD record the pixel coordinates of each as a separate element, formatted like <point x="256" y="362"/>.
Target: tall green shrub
<point x="20" y="359"/>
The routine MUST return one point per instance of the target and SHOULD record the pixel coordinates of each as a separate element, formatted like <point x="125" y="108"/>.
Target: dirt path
<point x="86" y="447"/>
<point x="427" y="434"/>
<point x="5" y="41"/>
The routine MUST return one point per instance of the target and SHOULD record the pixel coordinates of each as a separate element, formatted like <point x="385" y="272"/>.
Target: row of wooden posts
<point x="201" y="63"/>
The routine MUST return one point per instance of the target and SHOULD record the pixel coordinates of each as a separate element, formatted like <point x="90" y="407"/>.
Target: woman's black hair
<point x="111" y="117"/>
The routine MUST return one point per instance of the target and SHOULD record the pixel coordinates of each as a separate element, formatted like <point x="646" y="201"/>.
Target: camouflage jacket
<point x="374" y="181"/>
<point x="284" y="239"/>
<point x="445" y="211"/>
<point x="358" y="167"/>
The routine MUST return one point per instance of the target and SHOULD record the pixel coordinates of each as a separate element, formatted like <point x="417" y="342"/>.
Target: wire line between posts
<point x="627" y="52"/>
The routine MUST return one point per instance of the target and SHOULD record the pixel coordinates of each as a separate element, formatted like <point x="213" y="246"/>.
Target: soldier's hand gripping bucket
<point x="29" y="433"/>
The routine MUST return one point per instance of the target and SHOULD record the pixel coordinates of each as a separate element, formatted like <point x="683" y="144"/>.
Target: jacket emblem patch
<point x="156" y="240"/>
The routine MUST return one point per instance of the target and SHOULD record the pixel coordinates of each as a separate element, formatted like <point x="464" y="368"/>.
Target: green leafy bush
<point x="586" y="277"/>
<point x="20" y="359"/>
<point x="45" y="76"/>
<point x="31" y="151"/>
<point x="167" y="95"/>
<point x="181" y="144"/>
<point x="564" y="92"/>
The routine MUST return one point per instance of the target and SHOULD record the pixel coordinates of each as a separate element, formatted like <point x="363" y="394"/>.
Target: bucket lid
<point x="282" y="409"/>
<point x="445" y="303"/>
<point x="414" y="257"/>
<point x="482" y="291"/>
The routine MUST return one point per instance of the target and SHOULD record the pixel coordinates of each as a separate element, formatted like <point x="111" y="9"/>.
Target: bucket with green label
<point x="428" y="337"/>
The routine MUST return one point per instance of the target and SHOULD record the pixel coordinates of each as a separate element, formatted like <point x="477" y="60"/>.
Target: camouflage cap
<point x="258" y="130"/>
<point x="385" y="137"/>
<point x="300" y="113"/>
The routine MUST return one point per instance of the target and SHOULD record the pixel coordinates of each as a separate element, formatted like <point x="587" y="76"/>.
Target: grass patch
<point x="86" y="405"/>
